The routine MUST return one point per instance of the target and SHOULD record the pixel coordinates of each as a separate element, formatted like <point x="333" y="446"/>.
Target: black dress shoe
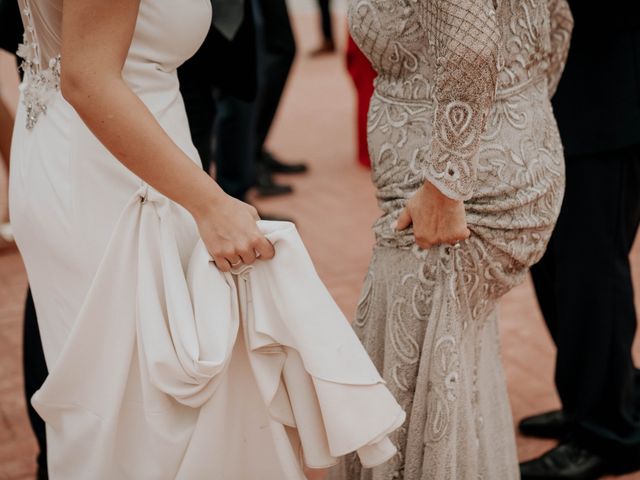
<point x="325" y="48"/>
<point x="545" y="425"/>
<point x="567" y="461"/>
<point x="266" y="185"/>
<point x="276" y="166"/>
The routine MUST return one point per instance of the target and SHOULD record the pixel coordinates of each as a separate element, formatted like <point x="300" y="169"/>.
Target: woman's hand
<point x="229" y="231"/>
<point x="436" y="218"/>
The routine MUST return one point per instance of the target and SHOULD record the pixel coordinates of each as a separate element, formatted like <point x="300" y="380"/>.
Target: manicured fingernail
<point x="394" y="225"/>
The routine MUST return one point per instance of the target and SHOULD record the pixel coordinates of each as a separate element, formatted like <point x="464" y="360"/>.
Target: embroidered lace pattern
<point x="462" y="100"/>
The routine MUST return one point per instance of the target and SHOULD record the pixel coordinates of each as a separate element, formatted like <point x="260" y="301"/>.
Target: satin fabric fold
<point x="207" y="374"/>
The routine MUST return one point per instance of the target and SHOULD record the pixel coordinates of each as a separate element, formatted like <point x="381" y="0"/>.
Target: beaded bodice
<point x="459" y="56"/>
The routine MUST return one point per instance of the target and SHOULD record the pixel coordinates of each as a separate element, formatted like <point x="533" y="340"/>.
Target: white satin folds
<point x="195" y="374"/>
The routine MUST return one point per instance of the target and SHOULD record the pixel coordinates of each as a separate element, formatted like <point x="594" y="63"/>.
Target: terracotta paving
<point x="334" y="208"/>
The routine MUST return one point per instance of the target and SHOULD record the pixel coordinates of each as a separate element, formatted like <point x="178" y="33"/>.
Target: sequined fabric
<point x="461" y="100"/>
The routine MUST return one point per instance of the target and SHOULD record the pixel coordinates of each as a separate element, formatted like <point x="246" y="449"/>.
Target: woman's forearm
<point x="126" y="127"/>
<point x="96" y="40"/>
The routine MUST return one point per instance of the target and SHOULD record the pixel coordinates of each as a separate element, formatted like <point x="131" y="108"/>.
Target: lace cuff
<point x="464" y="37"/>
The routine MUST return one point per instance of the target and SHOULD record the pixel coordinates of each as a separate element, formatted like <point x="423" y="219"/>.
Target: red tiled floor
<point x="334" y="207"/>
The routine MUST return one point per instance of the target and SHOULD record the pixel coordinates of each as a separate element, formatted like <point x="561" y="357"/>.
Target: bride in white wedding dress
<point x="164" y="365"/>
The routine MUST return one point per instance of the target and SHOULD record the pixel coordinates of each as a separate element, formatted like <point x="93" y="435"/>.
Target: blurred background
<point x="333" y="205"/>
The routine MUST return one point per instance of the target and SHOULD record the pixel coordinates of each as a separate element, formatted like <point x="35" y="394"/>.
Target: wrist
<point x="206" y="201"/>
<point x="435" y="194"/>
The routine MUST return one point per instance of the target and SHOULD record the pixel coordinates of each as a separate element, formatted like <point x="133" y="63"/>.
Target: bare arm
<point x="96" y="39"/>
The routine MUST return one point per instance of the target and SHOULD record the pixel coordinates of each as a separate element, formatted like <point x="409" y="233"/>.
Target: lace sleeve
<point x="464" y="36"/>
<point x="561" y="27"/>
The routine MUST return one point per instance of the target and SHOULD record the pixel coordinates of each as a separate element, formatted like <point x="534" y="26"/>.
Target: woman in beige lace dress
<point x="460" y="113"/>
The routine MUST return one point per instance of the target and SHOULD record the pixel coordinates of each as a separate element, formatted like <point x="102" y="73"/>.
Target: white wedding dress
<point x="162" y="367"/>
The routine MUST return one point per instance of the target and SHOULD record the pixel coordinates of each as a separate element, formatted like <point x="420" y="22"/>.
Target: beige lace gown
<point x="461" y="100"/>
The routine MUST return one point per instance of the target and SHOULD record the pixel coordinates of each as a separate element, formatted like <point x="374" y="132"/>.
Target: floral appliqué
<point x="39" y="84"/>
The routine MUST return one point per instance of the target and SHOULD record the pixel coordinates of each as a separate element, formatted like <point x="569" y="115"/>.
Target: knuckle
<point x="228" y="252"/>
<point x="248" y="256"/>
<point x="268" y="251"/>
<point x="256" y="239"/>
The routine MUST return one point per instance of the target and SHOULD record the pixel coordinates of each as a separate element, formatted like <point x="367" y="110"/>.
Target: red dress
<point x="363" y="75"/>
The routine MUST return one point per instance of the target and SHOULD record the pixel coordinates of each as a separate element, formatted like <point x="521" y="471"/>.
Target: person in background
<point x="583" y="282"/>
<point x="328" y="44"/>
<point x="205" y="91"/>
<point x="220" y="101"/>
<point x="362" y="74"/>
<point x="34" y="365"/>
<point x="276" y="50"/>
<point x="236" y="106"/>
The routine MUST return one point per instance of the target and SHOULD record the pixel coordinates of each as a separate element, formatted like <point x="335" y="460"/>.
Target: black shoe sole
<point x="273" y="192"/>
<point x="289" y="171"/>
<point x="547" y="435"/>
<point x="596" y="477"/>
<point x="599" y="473"/>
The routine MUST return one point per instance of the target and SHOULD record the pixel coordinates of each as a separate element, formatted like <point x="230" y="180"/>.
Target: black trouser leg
<point x="585" y="292"/>
<point x="35" y="373"/>
<point x="276" y="50"/>
<point x="234" y="145"/>
<point x="200" y="108"/>
<point x="325" y="16"/>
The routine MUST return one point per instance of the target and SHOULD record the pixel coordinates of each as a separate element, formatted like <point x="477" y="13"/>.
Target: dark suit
<point x="276" y="51"/>
<point x="224" y="65"/>
<point x="325" y="20"/>
<point x="10" y="25"/>
<point x="241" y="126"/>
<point x="248" y="75"/>
<point x="583" y="282"/>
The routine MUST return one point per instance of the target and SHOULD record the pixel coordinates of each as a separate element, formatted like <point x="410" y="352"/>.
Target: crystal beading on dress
<point x="39" y="84"/>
